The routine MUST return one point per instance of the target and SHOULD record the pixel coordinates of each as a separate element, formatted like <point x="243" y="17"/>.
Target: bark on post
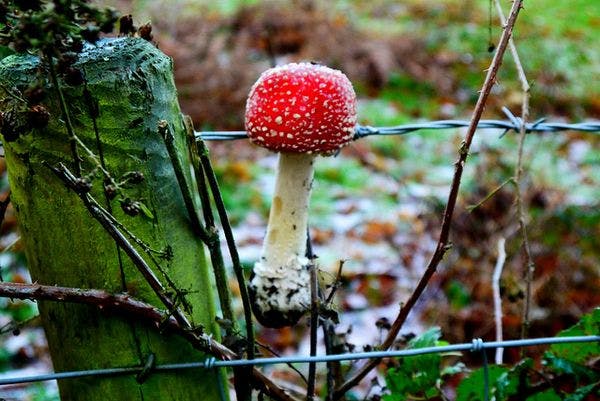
<point x="129" y="83"/>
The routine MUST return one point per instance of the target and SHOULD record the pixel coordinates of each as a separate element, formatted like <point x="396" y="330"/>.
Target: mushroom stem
<point x="279" y="284"/>
<point x="288" y="219"/>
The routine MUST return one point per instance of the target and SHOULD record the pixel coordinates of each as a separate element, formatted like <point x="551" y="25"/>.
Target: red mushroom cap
<point x="301" y="108"/>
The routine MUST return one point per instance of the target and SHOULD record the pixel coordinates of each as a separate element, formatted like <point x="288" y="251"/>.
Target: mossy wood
<point x="130" y="86"/>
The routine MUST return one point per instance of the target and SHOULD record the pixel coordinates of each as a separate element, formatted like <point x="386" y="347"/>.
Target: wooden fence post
<point x="128" y="88"/>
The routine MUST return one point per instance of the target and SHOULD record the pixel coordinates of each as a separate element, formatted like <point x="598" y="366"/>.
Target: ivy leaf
<point x="416" y="374"/>
<point x="472" y="388"/>
<point x="564" y="366"/>
<point x="580" y="352"/>
<point x="548" y="395"/>
<point x="513" y="381"/>
<point x="581" y="393"/>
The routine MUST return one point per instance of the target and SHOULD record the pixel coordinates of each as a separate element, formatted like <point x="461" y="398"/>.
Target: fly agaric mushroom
<point x="300" y="110"/>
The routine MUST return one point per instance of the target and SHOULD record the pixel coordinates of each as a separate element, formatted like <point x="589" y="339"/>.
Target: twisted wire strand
<point x="476" y="345"/>
<point x="512" y="123"/>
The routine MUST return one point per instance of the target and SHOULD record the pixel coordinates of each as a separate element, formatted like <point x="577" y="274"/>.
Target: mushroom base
<point x="280" y="295"/>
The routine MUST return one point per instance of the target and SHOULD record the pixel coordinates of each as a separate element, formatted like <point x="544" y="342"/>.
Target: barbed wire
<point x="512" y="123"/>
<point x="476" y="345"/>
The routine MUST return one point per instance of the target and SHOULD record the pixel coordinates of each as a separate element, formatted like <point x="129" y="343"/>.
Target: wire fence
<point x="512" y="123"/>
<point x="476" y="345"/>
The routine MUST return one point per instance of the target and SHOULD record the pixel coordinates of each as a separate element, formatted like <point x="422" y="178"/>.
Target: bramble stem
<point x="443" y="242"/>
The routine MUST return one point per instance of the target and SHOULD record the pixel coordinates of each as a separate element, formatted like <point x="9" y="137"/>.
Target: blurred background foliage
<point x="378" y="204"/>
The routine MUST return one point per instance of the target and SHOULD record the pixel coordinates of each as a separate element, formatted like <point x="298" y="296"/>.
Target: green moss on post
<point x="131" y="83"/>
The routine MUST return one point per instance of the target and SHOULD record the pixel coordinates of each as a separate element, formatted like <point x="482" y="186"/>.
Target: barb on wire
<point x="512" y="123"/>
<point x="476" y="345"/>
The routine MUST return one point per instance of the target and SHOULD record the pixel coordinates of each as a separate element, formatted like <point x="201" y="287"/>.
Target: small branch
<point x="314" y="326"/>
<point x="231" y="246"/>
<point x="470" y="208"/>
<point x="214" y="248"/>
<point x="334" y="376"/>
<point x="128" y="306"/>
<point x="443" y="243"/>
<point x="207" y="234"/>
<point x="203" y="172"/>
<point x="65" y="112"/>
<point x="497" y="298"/>
<point x="289" y="365"/>
<point x="97" y="213"/>
<point x="333" y="367"/>
<point x="337" y="282"/>
<point x="530" y="267"/>
<point x="165" y="132"/>
<point x="145" y="248"/>
<point x="513" y="51"/>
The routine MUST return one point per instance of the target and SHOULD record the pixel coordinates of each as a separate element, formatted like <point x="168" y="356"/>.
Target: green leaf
<point x="511" y="382"/>
<point x="457" y="294"/>
<point x="416" y="374"/>
<point x="472" y="387"/>
<point x="548" y="395"/>
<point x="564" y="366"/>
<point x="580" y="352"/>
<point x="581" y="393"/>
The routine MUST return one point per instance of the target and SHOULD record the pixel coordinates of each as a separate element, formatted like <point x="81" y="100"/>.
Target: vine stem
<point x="443" y="242"/>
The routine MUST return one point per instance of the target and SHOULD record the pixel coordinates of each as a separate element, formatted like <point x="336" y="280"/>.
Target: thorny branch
<point x="443" y="242"/>
<point x="124" y="304"/>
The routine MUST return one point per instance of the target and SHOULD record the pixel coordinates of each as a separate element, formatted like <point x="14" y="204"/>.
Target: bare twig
<point x="124" y="304"/>
<point x="497" y="299"/>
<point x="289" y="365"/>
<point x="65" y="114"/>
<point x="529" y="265"/>
<point x="333" y="367"/>
<point x="336" y="283"/>
<point x="228" y="232"/>
<point x="493" y="192"/>
<point x="204" y="173"/>
<point x="443" y="243"/>
<point x="207" y="234"/>
<point x="513" y="51"/>
<point x="314" y="326"/>
<point x="165" y="132"/>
